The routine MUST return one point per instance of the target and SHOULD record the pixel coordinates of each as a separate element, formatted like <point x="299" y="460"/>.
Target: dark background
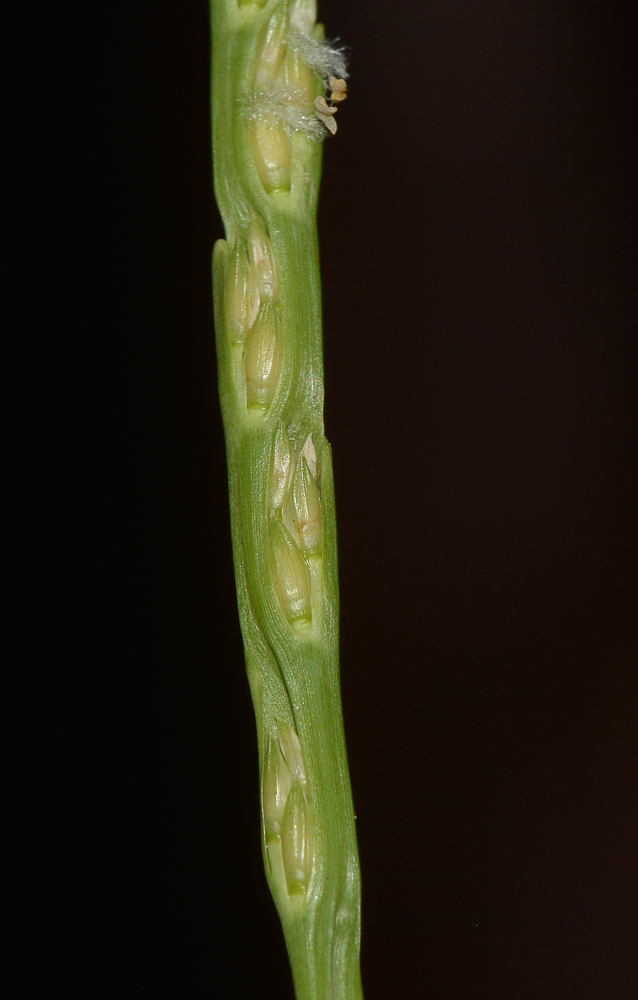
<point x="477" y="229"/>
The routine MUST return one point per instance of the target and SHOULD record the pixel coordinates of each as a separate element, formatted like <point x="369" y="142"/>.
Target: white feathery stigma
<point x="325" y="59"/>
<point x="286" y="105"/>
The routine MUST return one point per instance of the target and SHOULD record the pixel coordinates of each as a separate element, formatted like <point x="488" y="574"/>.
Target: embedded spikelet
<point x="262" y="261"/>
<point x="297" y="846"/>
<point x="298" y="79"/>
<point x="310" y="454"/>
<point x="273" y="48"/>
<point x="303" y="16"/>
<point x="276" y="784"/>
<point x="291" y="750"/>
<point x="281" y="468"/>
<point x="290" y="575"/>
<point x="271" y="153"/>
<point x="289" y="59"/>
<point x="306" y="511"/>
<point x="242" y="295"/>
<point x="263" y="358"/>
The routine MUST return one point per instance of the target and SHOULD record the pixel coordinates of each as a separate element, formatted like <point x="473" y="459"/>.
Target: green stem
<point x="269" y="341"/>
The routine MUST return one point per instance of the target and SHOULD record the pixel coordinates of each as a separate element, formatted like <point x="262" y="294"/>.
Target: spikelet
<point x="291" y="750"/>
<point x="303" y="16"/>
<point x="310" y="454"/>
<point x="296" y="72"/>
<point x="263" y="358"/>
<point x="290" y="575"/>
<point x="297" y="842"/>
<point x="304" y="509"/>
<point x="276" y="784"/>
<point x="242" y="295"/>
<point x="281" y="103"/>
<point x="271" y="152"/>
<point x="298" y="81"/>
<point x="272" y="50"/>
<point x="281" y="468"/>
<point x="262" y="262"/>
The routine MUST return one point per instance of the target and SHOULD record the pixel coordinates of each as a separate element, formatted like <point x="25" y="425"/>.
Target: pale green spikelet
<point x="291" y="750"/>
<point x="276" y="783"/>
<point x="262" y="259"/>
<point x="290" y="575"/>
<point x="297" y="842"/>
<point x="263" y="358"/>
<point x="242" y="294"/>
<point x="271" y="150"/>
<point x="304" y="510"/>
<point x="281" y="468"/>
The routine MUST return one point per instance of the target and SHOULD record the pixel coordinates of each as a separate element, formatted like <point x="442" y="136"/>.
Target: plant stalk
<point x="270" y="64"/>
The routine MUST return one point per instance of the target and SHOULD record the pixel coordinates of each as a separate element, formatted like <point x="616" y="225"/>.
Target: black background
<point x="477" y="228"/>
